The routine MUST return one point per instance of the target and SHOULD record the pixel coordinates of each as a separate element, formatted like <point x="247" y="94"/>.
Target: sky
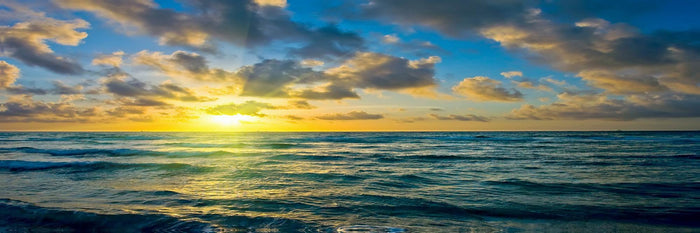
<point x="349" y="65"/>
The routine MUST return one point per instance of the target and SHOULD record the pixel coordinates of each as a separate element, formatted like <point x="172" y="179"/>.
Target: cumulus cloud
<point x="242" y="22"/>
<point x="354" y="115"/>
<point x="299" y="104"/>
<point x="185" y="65"/>
<point x="531" y="85"/>
<point x="311" y="62"/>
<point x="27" y="41"/>
<point x="251" y="108"/>
<point x="380" y="71"/>
<point x="122" y="86"/>
<point x="456" y="18"/>
<point x="114" y="59"/>
<point x="60" y="88"/>
<point x="390" y="39"/>
<point x="25" y="109"/>
<point x="273" y="78"/>
<point x="613" y="57"/>
<point x="511" y="74"/>
<point x="8" y="74"/>
<point x="599" y="106"/>
<point x="481" y="88"/>
<point x="467" y="117"/>
<point x="328" y="41"/>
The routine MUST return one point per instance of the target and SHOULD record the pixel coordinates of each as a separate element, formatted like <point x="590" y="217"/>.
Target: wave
<point x="663" y="190"/>
<point x="18" y="216"/>
<point x="118" y="152"/>
<point x="77" y="152"/>
<point x="22" y="165"/>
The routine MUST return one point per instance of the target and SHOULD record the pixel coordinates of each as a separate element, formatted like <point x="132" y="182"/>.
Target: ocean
<point x="350" y="182"/>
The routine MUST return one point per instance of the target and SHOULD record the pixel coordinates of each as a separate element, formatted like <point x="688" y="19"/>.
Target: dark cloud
<point x="453" y="117"/>
<point x="294" y="118"/>
<point x="485" y="89"/>
<point x="334" y="91"/>
<point x="354" y="115"/>
<point x="329" y="40"/>
<point x="272" y="78"/>
<point x="251" y="108"/>
<point x="26" y="42"/>
<point x="596" y="106"/>
<point x="122" y="111"/>
<point x="572" y="37"/>
<point x="186" y="65"/>
<point x="22" y="90"/>
<point x="457" y="18"/>
<point x="144" y="102"/>
<point x="380" y="71"/>
<point x="59" y="88"/>
<point x="418" y="47"/>
<point x="241" y="22"/>
<point x="299" y="104"/>
<point x="25" y="109"/>
<point x="132" y="87"/>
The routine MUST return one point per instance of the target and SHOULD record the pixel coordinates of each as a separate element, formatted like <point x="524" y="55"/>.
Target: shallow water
<point x="351" y="182"/>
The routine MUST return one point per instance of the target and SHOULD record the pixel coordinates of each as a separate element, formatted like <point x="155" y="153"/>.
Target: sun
<point x="228" y="120"/>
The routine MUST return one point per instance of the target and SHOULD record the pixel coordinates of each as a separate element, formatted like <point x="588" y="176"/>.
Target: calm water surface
<point x="351" y="182"/>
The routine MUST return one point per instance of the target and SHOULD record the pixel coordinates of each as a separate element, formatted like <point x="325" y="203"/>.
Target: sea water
<point x="350" y="182"/>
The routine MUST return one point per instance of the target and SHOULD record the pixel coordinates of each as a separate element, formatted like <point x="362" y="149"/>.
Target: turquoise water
<point x="351" y="182"/>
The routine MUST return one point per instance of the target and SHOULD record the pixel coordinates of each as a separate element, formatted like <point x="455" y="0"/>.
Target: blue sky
<point x="276" y="65"/>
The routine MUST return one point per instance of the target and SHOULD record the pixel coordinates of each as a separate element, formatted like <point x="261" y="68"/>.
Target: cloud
<point x="599" y="106"/>
<point x="354" y="115"/>
<point x="390" y="39"/>
<point x="119" y="85"/>
<point x="114" y="59"/>
<point x="416" y="47"/>
<point x="328" y="41"/>
<point x="270" y="78"/>
<point x="481" y="88"/>
<point x="311" y="62"/>
<point x="453" y="117"/>
<point x="294" y="118"/>
<point x="299" y="104"/>
<point x="245" y="23"/>
<point x="511" y="74"/>
<point x="277" y="3"/>
<point x="662" y="67"/>
<point x="24" y="109"/>
<point x="456" y="18"/>
<point x="185" y="65"/>
<point x="273" y="78"/>
<point x="8" y="74"/>
<point x="329" y="91"/>
<point x="613" y="57"/>
<point x="251" y="108"/>
<point x="27" y="41"/>
<point x="530" y="85"/>
<point x="59" y="88"/>
<point x="384" y="72"/>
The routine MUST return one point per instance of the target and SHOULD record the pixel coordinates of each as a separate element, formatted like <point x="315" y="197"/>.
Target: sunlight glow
<point x="228" y="120"/>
